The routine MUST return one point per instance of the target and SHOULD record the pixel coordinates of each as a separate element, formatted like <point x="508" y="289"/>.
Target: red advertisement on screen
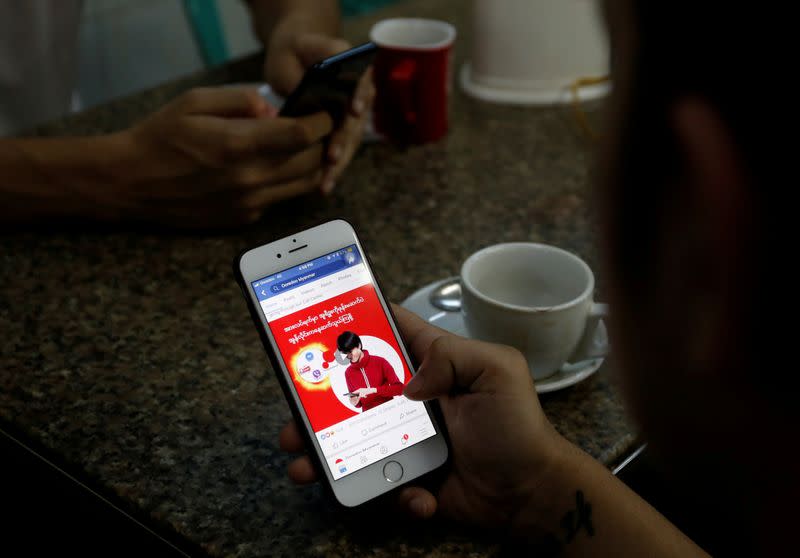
<point x="323" y="376"/>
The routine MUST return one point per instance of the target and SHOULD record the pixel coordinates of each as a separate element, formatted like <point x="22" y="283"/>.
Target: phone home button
<point x="393" y="471"/>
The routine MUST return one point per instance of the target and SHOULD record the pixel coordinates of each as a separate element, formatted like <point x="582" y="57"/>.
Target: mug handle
<point x="589" y="346"/>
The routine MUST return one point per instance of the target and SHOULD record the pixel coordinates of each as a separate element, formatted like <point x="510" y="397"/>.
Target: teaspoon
<point x="447" y="295"/>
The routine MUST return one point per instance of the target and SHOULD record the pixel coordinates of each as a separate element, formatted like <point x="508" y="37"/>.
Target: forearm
<point x="583" y="510"/>
<point x="321" y="16"/>
<point x="58" y="177"/>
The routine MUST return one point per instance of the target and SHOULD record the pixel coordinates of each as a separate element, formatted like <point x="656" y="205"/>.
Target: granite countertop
<point x="130" y="354"/>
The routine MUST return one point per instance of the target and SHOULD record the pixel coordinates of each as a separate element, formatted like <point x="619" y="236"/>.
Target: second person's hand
<point x="290" y="53"/>
<point x="503" y="449"/>
<point x="214" y="156"/>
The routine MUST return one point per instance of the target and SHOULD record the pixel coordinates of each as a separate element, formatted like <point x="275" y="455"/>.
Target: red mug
<point x="412" y="78"/>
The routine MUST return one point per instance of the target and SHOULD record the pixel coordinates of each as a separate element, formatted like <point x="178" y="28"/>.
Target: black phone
<point x="330" y="84"/>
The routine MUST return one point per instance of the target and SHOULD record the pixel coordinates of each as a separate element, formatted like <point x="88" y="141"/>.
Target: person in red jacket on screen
<point x="370" y="378"/>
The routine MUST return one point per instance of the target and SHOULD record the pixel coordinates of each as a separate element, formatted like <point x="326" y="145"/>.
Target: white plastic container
<point x="533" y="51"/>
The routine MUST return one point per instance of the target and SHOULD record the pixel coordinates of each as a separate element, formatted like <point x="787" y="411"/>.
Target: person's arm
<point x="355" y="400"/>
<point x="60" y="177"/>
<point x="510" y="469"/>
<point x="581" y="509"/>
<point x="211" y="157"/>
<point x="566" y="503"/>
<point x="391" y="386"/>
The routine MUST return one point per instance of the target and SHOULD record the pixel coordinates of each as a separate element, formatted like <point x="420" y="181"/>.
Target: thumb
<point x="417" y="502"/>
<point x="454" y="364"/>
<point x="310" y="48"/>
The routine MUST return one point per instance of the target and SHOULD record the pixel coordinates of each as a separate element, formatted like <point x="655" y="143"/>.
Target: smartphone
<point x="329" y="85"/>
<point x="313" y="297"/>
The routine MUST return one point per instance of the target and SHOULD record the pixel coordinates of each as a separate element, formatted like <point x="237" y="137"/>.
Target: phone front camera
<point x="279" y="255"/>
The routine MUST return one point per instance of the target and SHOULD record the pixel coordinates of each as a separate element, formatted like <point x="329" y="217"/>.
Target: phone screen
<point x="311" y="310"/>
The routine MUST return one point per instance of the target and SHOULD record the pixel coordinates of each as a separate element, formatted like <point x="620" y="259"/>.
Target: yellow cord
<point x="580" y="115"/>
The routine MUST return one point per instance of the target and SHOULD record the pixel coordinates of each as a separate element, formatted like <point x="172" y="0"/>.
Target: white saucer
<point x="570" y="374"/>
<point x="526" y="95"/>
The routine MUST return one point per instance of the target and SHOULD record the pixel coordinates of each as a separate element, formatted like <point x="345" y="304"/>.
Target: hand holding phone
<point x="329" y="85"/>
<point x="503" y="446"/>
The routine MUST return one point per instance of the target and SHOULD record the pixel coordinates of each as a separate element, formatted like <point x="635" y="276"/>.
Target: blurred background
<point x="129" y="45"/>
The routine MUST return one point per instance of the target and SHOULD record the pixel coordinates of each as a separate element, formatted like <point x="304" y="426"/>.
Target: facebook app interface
<point x="344" y="359"/>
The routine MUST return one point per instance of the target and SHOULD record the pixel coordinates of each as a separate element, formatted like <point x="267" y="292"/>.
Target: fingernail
<point x="358" y="106"/>
<point x="414" y="387"/>
<point x="419" y="507"/>
<point x="335" y="152"/>
<point x="328" y="185"/>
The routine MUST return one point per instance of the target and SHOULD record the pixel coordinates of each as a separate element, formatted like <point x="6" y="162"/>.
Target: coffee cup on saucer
<point x="537" y="298"/>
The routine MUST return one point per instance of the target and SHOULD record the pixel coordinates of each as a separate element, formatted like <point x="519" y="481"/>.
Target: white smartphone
<point x="329" y="331"/>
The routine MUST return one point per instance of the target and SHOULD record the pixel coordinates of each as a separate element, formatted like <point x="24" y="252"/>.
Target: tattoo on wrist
<point x="577" y="519"/>
<point x="574" y="521"/>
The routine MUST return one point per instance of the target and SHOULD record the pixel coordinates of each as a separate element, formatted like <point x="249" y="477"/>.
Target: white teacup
<point x="534" y="297"/>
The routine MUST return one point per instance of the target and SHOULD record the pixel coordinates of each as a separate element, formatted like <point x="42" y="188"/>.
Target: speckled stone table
<point x="130" y="355"/>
